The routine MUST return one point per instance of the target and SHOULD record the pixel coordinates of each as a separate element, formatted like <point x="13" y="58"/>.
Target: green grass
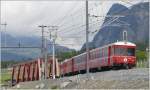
<point x="142" y="64"/>
<point x="5" y="76"/>
<point x="54" y="87"/>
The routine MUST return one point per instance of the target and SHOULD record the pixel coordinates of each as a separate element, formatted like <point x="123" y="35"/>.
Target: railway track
<point x="137" y="78"/>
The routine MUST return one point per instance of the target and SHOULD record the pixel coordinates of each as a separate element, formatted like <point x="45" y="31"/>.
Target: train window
<point x="97" y="53"/>
<point x="100" y="53"/>
<point x="120" y="51"/>
<point x="125" y="51"/>
<point x="90" y="55"/>
<point x="80" y="59"/>
<point x="105" y="52"/>
<point x="131" y="52"/>
<point x="94" y="54"/>
<point x="112" y="51"/>
<point x="75" y="60"/>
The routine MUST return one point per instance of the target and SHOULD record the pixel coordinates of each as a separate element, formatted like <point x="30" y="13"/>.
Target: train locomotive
<point x="118" y="54"/>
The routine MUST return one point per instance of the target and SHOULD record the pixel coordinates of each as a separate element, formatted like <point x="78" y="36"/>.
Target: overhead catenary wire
<point x="64" y="17"/>
<point x="111" y="19"/>
<point x="75" y="13"/>
<point x="66" y="30"/>
<point x="72" y="14"/>
<point x="67" y="15"/>
<point x="74" y="27"/>
<point x="70" y="26"/>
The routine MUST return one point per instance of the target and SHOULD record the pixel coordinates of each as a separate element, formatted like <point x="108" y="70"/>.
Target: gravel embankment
<point x="113" y="79"/>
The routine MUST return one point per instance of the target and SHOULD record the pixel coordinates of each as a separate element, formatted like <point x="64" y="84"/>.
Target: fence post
<point x="136" y="64"/>
<point x="141" y="64"/>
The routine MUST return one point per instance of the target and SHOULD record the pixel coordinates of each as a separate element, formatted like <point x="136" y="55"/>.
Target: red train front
<point x="123" y="54"/>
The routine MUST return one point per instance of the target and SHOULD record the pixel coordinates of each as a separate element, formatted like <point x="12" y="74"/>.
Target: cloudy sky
<point x="24" y="17"/>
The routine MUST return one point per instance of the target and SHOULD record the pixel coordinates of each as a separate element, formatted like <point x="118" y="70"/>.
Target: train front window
<point x="124" y="51"/>
<point x="131" y="52"/>
<point x="120" y="51"/>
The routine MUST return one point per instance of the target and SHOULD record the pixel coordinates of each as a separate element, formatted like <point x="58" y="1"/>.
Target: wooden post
<point x="37" y="73"/>
<point x="18" y="74"/>
<point x="23" y="73"/>
<point x="31" y="71"/>
<point x="12" y="78"/>
<point x="39" y="66"/>
<point x="28" y="72"/>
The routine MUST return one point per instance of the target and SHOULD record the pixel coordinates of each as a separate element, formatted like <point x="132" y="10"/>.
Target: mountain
<point x="135" y="22"/>
<point x="26" y="53"/>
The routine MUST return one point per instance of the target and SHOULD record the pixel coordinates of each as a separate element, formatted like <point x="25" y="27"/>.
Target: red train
<point x="112" y="55"/>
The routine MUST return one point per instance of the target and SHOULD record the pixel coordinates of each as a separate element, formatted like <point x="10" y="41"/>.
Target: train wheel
<point x="126" y="66"/>
<point x="130" y="66"/>
<point x="115" y="68"/>
<point x="99" y="69"/>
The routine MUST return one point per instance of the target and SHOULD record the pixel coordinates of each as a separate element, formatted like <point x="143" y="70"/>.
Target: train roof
<point x="120" y="43"/>
<point x="124" y="43"/>
<point x="115" y="43"/>
<point x="66" y="60"/>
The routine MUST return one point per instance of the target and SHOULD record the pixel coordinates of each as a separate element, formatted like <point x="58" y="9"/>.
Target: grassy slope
<point x="5" y="76"/>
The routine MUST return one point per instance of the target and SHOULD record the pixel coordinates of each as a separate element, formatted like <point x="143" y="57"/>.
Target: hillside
<point x="24" y="54"/>
<point x="137" y="16"/>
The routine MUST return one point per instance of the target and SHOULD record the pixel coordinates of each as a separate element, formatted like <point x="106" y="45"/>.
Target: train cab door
<point x="109" y="54"/>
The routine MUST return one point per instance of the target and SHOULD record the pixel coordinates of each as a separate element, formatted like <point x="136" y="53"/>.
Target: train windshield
<point x="124" y="51"/>
<point x="131" y="52"/>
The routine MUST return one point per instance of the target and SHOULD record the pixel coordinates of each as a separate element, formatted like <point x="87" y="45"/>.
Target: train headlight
<point x="125" y="59"/>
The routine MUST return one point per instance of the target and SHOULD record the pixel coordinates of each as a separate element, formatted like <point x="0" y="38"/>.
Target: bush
<point x="141" y="55"/>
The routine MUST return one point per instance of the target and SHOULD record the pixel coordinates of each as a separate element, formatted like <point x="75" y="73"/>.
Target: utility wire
<point x="67" y="15"/>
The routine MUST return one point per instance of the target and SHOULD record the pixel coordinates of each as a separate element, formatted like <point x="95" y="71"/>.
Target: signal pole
<point x="43" y="51"/>
<point x="87" y="39"/>
<point x="53" y="38"/>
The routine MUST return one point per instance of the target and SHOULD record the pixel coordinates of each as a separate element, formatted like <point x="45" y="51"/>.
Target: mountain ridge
<point x="136" y="16"/>
<point x="24" y="54"/>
